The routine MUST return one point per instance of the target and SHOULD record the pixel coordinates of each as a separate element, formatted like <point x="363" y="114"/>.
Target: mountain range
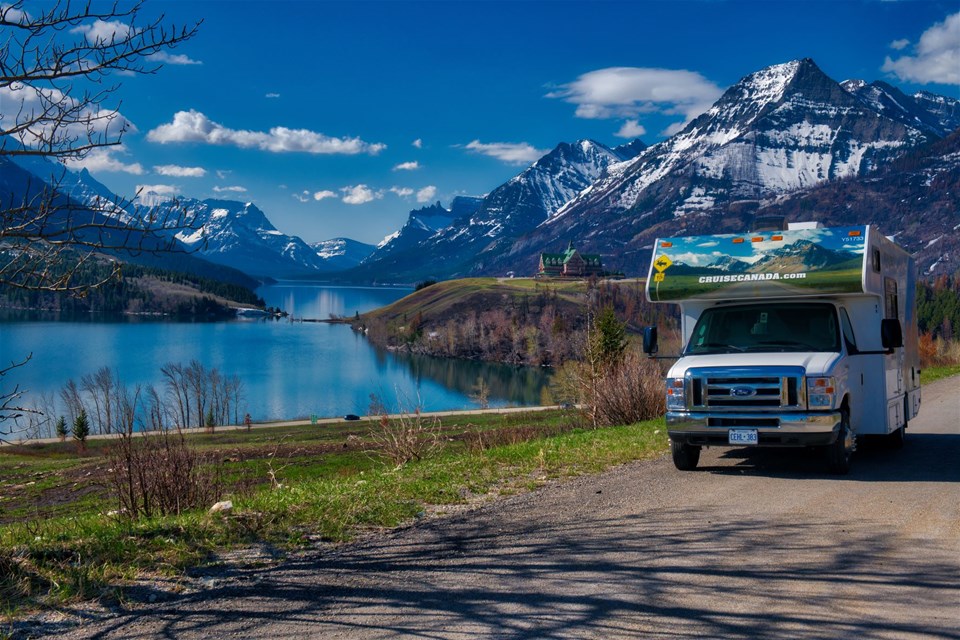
<point x="786" y="140"/>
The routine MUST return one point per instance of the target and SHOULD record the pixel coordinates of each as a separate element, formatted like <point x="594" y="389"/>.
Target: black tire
<point x="685" y="456"/>
<point x="839" y="453"/>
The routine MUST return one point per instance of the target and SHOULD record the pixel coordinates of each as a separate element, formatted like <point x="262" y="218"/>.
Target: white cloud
<point x="697" y="259"/>
<point x="403" y="192"/>
<point x="173" y="58"/>
<point x="427" y="194"/>
<point x="14" y="15"/>
<point x="103" y="32"/>
<point x="627" y="92"/>
<point x="936" y="56"/>
<point x="272" y="95"/>
<point x="407" y="166"/>
<point x="223" y="173"/>
<point x="180" y="172"/>
<point x="899" y="45"/>
<point x="360" y="194"/>
<point x="631" y="129"/>
<point x="509" y="152"/>
<point x="158" y="189"/>
<point x="323" y="195"/>
<point x="20" y="103"/>
<point x="302" y="197"/>
<point x="105" y="159"/>
<point x="418" y="143"/>
<point x="230" y="189"/>
<point x="674" y="128"/>
<point x="193" y="126"/>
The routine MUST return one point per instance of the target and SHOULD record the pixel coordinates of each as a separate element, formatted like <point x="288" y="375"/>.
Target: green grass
<point x="441" y="299"/>
<point x="328" y="495"/>
<point x="931" y="374"/>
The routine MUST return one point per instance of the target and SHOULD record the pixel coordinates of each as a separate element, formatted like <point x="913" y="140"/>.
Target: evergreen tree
<point x="608" y="338"/>
<point x="81" y="429"/>
<point x="61" y="428"/>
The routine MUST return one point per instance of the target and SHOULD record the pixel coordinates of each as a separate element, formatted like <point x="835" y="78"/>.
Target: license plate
<point x="742" y="436"/>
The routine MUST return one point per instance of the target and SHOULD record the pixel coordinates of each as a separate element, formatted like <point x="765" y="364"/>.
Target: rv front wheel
<point x="839" y="453"/>
<point x="685" y="456"/>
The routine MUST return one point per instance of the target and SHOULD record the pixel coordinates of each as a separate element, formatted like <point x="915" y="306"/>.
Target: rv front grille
<point x="757" y="389"/>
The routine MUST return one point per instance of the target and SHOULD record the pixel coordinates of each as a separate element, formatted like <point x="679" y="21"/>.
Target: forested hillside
<point x="139" y="290"/>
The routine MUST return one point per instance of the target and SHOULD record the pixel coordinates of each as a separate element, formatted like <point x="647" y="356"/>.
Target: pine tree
<point x="81" y="429"/>
<point x="61" y="428"/>
<point x="608" y="338"/>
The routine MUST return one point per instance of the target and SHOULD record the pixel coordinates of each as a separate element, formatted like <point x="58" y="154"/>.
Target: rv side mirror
<point x="650" y="340"/>
<point x="891" y="334"/>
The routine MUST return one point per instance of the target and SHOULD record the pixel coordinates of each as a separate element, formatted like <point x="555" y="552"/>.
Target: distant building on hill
<point x="571" y="264"/>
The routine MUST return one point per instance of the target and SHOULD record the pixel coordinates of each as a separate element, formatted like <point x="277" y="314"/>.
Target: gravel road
<point x="753" y="545"/>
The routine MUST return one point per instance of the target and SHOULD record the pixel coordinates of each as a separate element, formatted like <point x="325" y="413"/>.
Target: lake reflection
<point x="289" y="369"/>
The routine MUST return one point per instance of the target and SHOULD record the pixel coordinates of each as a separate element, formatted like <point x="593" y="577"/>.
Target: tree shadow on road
<point x="664" y="573"/>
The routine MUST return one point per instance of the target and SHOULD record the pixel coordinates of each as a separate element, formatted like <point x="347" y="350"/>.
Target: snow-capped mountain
<point x="780" y="130"/>
<point x="423" y="223"/>
<point x="514" y="208"/>
<point x="340" y="254"/>
<point x="235" y="234"/>
<point x="79" y="198"/>
<point x="937" y="115"/>
<point x="915" y="199"/>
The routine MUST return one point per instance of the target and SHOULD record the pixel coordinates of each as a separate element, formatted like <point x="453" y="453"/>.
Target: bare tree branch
<point x="59" y="77"/>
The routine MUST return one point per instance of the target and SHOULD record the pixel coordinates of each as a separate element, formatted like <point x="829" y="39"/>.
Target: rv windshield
<point x="793" y="326"/>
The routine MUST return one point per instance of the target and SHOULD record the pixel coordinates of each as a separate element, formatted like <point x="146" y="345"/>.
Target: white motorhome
<point x="805" y="337"/>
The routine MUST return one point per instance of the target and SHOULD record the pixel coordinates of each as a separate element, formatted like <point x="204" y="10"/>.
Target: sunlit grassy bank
<point x="62" y="540"/>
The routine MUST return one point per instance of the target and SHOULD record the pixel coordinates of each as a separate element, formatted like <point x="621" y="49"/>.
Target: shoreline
<point x="298" y="422"/>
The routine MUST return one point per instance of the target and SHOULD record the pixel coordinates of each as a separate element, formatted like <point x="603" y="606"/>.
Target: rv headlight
<point x="821" y="392"/>
<point x="676" y="399"/>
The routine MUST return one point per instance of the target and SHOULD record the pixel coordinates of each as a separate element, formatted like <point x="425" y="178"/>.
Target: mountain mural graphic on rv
<point x="747" y="265"/>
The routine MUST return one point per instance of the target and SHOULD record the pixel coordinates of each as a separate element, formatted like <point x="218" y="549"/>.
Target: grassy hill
<point x="520" y="321"/>
<point x="453" y="298"/>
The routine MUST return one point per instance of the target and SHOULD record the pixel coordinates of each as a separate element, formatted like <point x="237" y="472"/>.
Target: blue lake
<point x="288" y="369"/>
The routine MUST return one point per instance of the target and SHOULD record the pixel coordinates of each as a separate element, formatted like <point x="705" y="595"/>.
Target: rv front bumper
<point x="773" y="430"/>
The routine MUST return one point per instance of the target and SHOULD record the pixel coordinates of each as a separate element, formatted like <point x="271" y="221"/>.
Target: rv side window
<point x="847" y="329"/>
<point x="890" y="303"/>
<point x="876" y="260"/>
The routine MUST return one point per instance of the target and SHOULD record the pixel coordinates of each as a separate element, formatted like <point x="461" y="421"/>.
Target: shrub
<point x="623" y="393"/>
<point x="406" y="438"/>
<point x="938" y="351"/>
<point x="928" y="350"/>
<point x="162" y="475"/>
<point x="630" y="392"/>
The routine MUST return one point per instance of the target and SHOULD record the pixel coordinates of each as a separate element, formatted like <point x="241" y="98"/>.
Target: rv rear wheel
<point x="839" y="453"/>
<point x="896" y="439"/>
<point x="685" y="456"/>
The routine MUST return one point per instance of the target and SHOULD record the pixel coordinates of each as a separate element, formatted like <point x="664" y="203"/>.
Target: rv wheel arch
<point x="839" y="453"/>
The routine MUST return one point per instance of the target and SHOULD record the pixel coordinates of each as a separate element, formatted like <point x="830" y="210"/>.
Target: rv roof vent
<point x="805" y="225"/>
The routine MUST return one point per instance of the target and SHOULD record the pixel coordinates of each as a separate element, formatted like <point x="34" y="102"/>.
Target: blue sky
<point x="337" y="118"/>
